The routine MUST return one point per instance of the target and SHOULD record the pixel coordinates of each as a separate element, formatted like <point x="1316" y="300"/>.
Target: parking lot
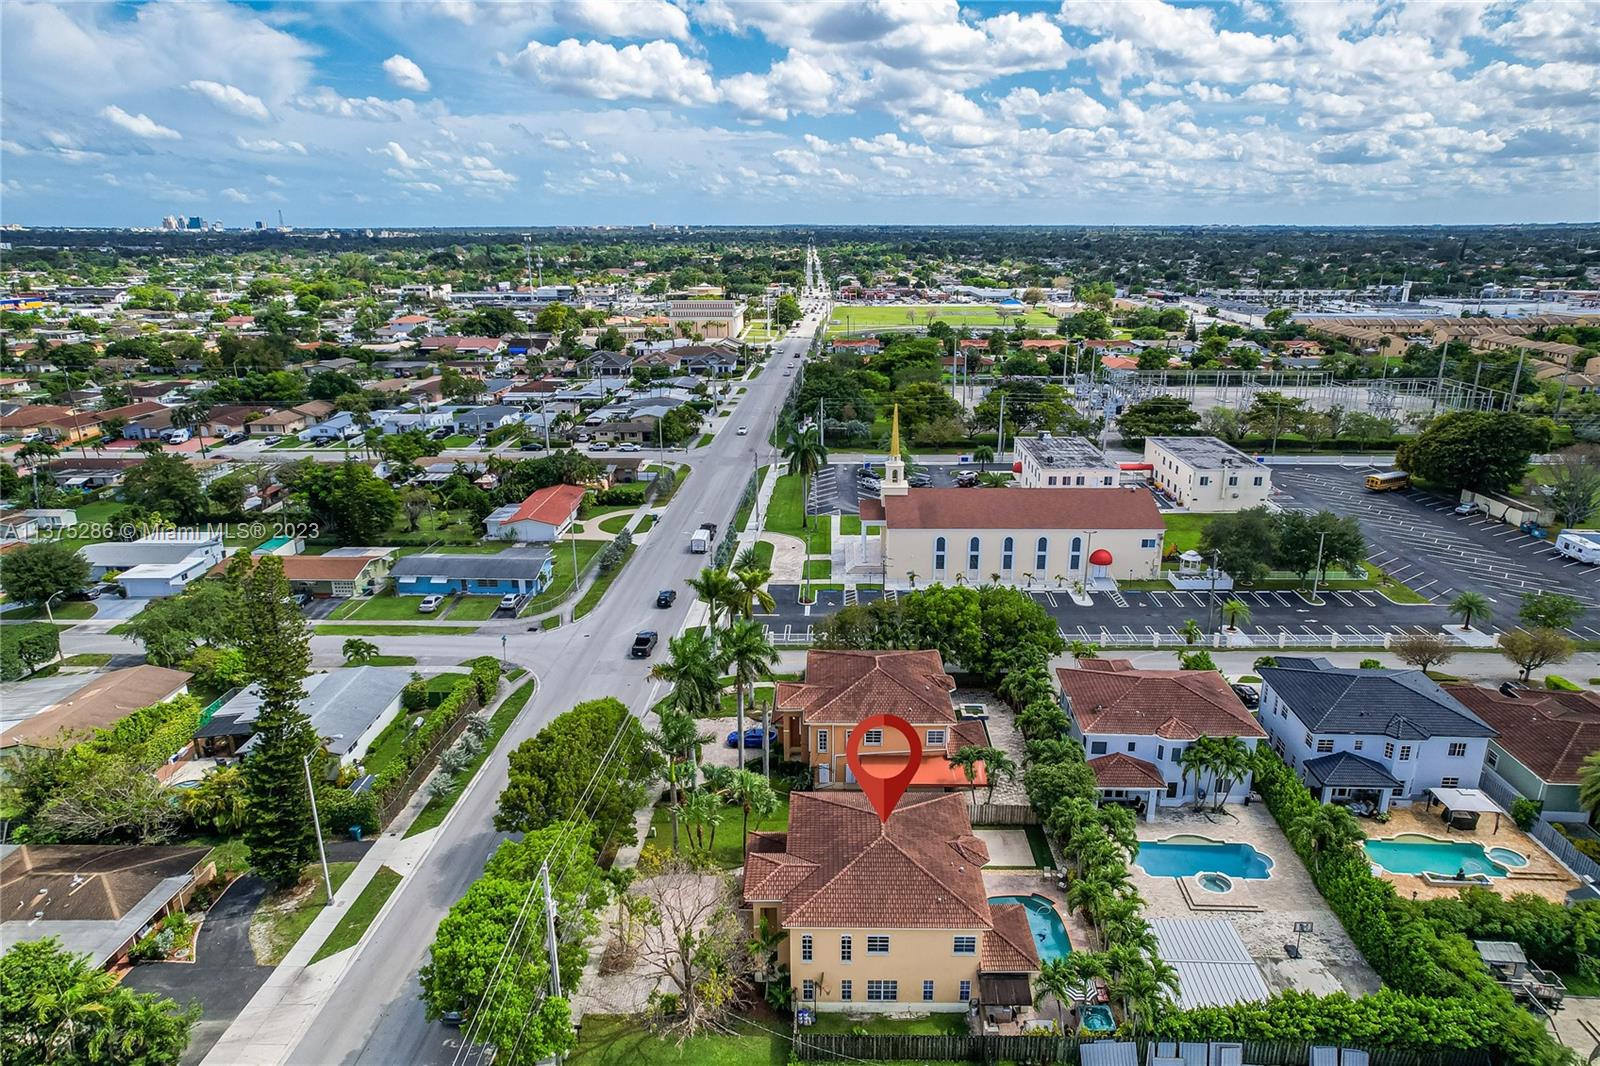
<point x="1417" y="538"/>
<point x="838" y="486"/>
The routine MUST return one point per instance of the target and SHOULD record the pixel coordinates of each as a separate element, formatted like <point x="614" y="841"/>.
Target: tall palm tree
<point x="1195" y="761"/>
<point x="695" y="674"/>
<point x="1236" y="612"/>
<point x="1589" y="783"/>
<point x="1325" y="830"/>
<point x="1231" y="762"/>
<point x="747" y="653"/>
<point x="1470" y="605"/>
<point x="754" y="795"/>
<point x="193" y="417"/>
<point x="752" y="591"/>
<point x="702" y="809"/>
<point x="35" y="453"/>
<point x="676" y="738"/>
<point x="718" y="591"/>
<point x="1068" y="980"/>
<point x="806" y="453"/>
<point x="983" y="455"/>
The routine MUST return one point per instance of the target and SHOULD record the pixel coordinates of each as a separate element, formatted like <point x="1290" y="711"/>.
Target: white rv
<point x="1580" y="544"/>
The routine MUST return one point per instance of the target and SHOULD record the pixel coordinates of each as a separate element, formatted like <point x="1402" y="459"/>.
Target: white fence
<point x="1239" y="641"/>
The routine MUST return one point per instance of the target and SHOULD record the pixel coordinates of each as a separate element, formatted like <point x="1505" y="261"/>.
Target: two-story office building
<point x="1380" y="735"/>
<point x="887" y="916"/>
<point x="1135" y="726"/>
<point x="816" y="717"/>
<point x="1047" y="462"/>
<point x="1205" y="474"/>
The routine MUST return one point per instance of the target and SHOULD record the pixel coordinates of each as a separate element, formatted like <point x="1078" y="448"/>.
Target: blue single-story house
<point x="523" y="571"/>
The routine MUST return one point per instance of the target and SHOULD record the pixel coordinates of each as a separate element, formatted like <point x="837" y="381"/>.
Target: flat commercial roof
<point x="1056" y="452"/>
<point x="1203" y="453"/>
<point x="1214" y="967"/>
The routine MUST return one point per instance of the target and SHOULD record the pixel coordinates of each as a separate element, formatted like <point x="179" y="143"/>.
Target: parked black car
<point x="1247" y="695"/>
<point x="644" y="642"/>
<point x="666" y="598"/>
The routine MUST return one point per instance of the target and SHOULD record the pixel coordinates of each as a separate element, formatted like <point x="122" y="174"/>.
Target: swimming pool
<point x="1185" y="856"/>
<point x="1049" y="934"/>
<point x="1417" y="853"/>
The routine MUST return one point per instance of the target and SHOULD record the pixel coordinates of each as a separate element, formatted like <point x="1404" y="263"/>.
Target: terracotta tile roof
<point x="841" y="867"/>
<point x="1023" y="509"/>
<point x="1174" y="704"/>
<point x="1008" y="947"/>
<point x="552" y="505"/>
<point x="1548" y="732"/>
<point x="1121" y="770"/>
<point x="1045" y="344"/>
<point x="31" y="415"/>
<point x="1109" y="666"/>
<point x="843" y="687"/>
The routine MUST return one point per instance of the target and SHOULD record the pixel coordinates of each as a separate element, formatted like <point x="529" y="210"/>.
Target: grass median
<point x="285" y="915"/>
<point x="439" y="805"/>
<point x="337" y="630"/>
<point x="591" y="598"/>
<point x="348" y="933"/>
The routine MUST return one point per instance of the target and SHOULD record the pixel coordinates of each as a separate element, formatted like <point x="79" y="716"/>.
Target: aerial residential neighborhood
<point x="673" y="533"/>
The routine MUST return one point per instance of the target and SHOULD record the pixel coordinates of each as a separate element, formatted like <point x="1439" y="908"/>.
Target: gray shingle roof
<point x="342" y="704"/>
<point x="1403" y="704"/>
<point x="506" y="566"/>
<point x="1344" y="769"/>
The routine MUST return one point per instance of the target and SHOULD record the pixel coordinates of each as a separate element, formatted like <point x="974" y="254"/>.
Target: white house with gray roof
<point x="348" y="708"/>
<point x="1383" y="735"/>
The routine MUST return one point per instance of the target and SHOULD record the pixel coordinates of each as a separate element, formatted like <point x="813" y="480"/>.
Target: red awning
<point x="1100" y="557"/>
<point x="935" y="771"/>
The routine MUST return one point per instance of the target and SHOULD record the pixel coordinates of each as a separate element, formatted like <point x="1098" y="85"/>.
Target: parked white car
<point x="429" y="604"/>
<point x="627" y="446"/>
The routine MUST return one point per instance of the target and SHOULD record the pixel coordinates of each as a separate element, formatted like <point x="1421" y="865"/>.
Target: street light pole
<point x="1317" y="573"/>
<point x="1211" y="604"/>
<point x="316" y="827"/>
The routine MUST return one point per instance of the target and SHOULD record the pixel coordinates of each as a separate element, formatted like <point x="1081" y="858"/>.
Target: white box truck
<point x="1580" y="544"/>
<point x="700" y="541"/>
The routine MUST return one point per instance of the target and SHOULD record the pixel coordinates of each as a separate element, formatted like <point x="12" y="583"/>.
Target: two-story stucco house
<point x="889" y="916"/>
<point x="1382" y="735"/>
<point x="816" y="717"/>
<point x="1543" y="740"/>
<point x="1136" y="724"/>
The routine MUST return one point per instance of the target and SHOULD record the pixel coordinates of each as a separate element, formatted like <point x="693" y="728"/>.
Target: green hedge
<point x="24" y="646"/>
<point x="474" y="690"/>
<point x="631" y="492"/>
<point x="152" y="735"/>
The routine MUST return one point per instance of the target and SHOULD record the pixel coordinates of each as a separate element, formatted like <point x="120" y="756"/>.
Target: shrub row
<point x="152" y="735"/>
<point x="470" y="693"/>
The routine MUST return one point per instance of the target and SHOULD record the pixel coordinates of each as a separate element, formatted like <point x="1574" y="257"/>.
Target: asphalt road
<point x="374" y="1016"/>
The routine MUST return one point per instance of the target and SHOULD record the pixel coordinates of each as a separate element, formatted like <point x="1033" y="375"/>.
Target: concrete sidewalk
<point x="277" y="1016"/>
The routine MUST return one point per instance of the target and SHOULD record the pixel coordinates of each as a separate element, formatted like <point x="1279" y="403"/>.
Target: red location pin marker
<point x="884" y="792"/>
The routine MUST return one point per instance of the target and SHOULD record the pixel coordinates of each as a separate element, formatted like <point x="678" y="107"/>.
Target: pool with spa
<point x="1049" y="932"/>
<point x="1187" y="856"/>
<point x="1418" y="853"/>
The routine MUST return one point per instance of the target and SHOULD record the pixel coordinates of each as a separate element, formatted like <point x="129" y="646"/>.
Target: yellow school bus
<point x="1389" y="481"/>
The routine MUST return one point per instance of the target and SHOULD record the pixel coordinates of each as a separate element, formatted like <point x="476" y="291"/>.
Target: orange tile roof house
<point x="1544" y="738"/>
<point x="887" y="916"/>
<point x="815" y="717"/>
<point x="541" y="518"/>
<point x="1136" y="724"/>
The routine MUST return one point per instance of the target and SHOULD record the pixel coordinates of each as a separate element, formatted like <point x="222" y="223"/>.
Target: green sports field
<point x="852" y="319"/>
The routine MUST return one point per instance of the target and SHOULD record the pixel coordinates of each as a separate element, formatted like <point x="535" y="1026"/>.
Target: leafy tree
<point x="58" y="1007"/>
<point x="1575" y="483"/>
<point x="1533" y="649"/>
<point x="787" y="310"/>
<point x="564" y="772"/>
<point x="1486" y="450"/>
<point x="167" y="483"/>
<point x="275" y="640"/>
<point x="37" y="571"/>
<point x="1469" y="605"/>
<point x="491" y="322"/>
<point x="218" y="801"/>
<point x="1159" y="416"/>
<point x="357" y="504"/>
<point x="1277" y="317"/>
<point x="1244" y="543"/>
<point x="172" y="627"/>
<point x="1423" y="650"/>
<point x="1087" y="325"/>
<point x="1303" y="538"/>
<point x="1549" y="610"/>
<point x="1199" y="659"/>
<point x="1589" y="782"/>
<point x="676" y="740"/>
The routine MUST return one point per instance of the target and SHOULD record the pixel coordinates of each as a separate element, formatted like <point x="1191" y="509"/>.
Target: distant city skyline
<point x="736" y="112"/>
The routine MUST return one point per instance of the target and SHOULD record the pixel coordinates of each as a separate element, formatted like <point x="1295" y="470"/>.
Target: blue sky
<point x="463" y="112"/>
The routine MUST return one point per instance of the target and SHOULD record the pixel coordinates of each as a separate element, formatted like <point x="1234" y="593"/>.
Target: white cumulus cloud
<point x="656" y="71"/>
<point x="140" y="125"/>
<point x="230" y="98"/>
<point x="405" y="73"/>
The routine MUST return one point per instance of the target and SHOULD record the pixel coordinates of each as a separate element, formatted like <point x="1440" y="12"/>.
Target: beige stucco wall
<point x="910" y="551"/>
<point x="915" y="955"/>
<point x="1182" y="481"/>
<point x="833" y="754"/>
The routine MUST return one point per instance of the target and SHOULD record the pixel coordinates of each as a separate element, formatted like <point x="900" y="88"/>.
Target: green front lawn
<point x="849" y="525"/>
<point x="473" y="609"/>
<point x="616" y="522"/>
<point x="764" y="550"/>
<point x="561" y="579"/>
<point x="385" y="660"/>
<point x="786" y="506"/>
<point x="457" y="440"/>
<point x="438" y="806"/>
<point x="61" y="611"/>
<point x="591" y="596"/>
<point x="621" y="1040"/>
<point x="1183" y="530"/>
<point x="360" y="915"/>
<point x="645" y="523"/>
<point x="384" y="608"/>
<point x="819" y="569"/>
<point x="286" y="914"/>
<point x="728" y="849"/>
<point x="87" y="658"/>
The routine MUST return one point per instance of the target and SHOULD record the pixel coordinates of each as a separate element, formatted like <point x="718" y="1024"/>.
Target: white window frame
<point x="808" y="991"/>
<point x="936" y="736"/>
<point x="927" y="991"/>
<point x="1457" y="749"/>
<point x="846" y="990"/>
<point x="822" y="740"/>
<point x="847" y="948"/>
<point x="1450" y="782"/>
<point x="872" y="944"/>
<point x="873" y="736"/>
<point x="964" y="944"/>
<point x="887" y="991"/>
<point x="966" y="990"/>
<point x="807" y="948"/>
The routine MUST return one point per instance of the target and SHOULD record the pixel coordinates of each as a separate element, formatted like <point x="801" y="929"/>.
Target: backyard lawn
<point x="1183" y="530"/>
<point x="727" y="851"/>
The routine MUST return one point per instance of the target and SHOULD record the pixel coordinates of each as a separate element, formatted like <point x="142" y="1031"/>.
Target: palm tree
<point x="193" y="417"/>
<point x="1195" y="760"/>
<point x="983" y="455"/>
<point x="752" y="591"/>
<point x="702" y="809"/>
<point x="1589" y="783"/>
<point x="1089" y="895"/>
<point x="748" y="653"/>
<point x="1144" y="984"/>
<point x="1068" y="979"/>
<point x="718" y="591"/>
<point x="806" y="453"/>
<point x="1190" y="631"/>
<point x="1326" y="829"/>
<point x="1234" y="612"/>
<point x="754" y="794"/>
<point x="1470" y="605"/>
<point x="33" y="453"/>
<point x="676" y="739"/>
<point x="1231" y="762"/>
<point x="695" y="674"/>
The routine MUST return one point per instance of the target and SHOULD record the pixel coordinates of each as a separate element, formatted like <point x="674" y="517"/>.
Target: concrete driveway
<point x="115" y="608"/>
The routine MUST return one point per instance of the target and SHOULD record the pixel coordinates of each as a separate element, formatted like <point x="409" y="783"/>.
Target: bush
<point x="414" y="697"/>
<point x="24" y="646"/>
<point x="340" y="809"/>
<point x="1525" y="812"/>
<point x="1585" y="846"/>
<point x="630" y="493"/>
<point x="1371" y="664"/>
<point x="1560" y="684"/>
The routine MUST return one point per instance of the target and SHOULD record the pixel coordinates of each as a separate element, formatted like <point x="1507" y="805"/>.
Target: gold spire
<point x="894" y="433"/>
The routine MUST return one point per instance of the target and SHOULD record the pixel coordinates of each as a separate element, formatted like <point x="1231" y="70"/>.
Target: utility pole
<point x="550" y="929"/>
<point x="1211" y="604"/>
<point x="1000" y="437"/>
<point x="1516" y="380"/>
<point x="316" y="827"/>
<point x="1317" y="573"/>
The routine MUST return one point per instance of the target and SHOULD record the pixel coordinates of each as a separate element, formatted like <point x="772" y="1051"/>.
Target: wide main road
<point x="373" y="1015"/>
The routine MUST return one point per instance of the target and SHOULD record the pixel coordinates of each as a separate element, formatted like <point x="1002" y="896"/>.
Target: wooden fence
<point x="818" y="1047"/>
<point x="391" y="805"/>
<point x="1002" y="814"/>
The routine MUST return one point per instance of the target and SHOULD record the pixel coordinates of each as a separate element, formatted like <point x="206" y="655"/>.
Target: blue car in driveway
<point x="752" y="737"/>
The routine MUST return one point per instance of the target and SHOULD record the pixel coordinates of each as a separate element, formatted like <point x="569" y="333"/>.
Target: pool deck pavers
<point x="1007" y="847"/>
<point x="1543" y="876"/>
